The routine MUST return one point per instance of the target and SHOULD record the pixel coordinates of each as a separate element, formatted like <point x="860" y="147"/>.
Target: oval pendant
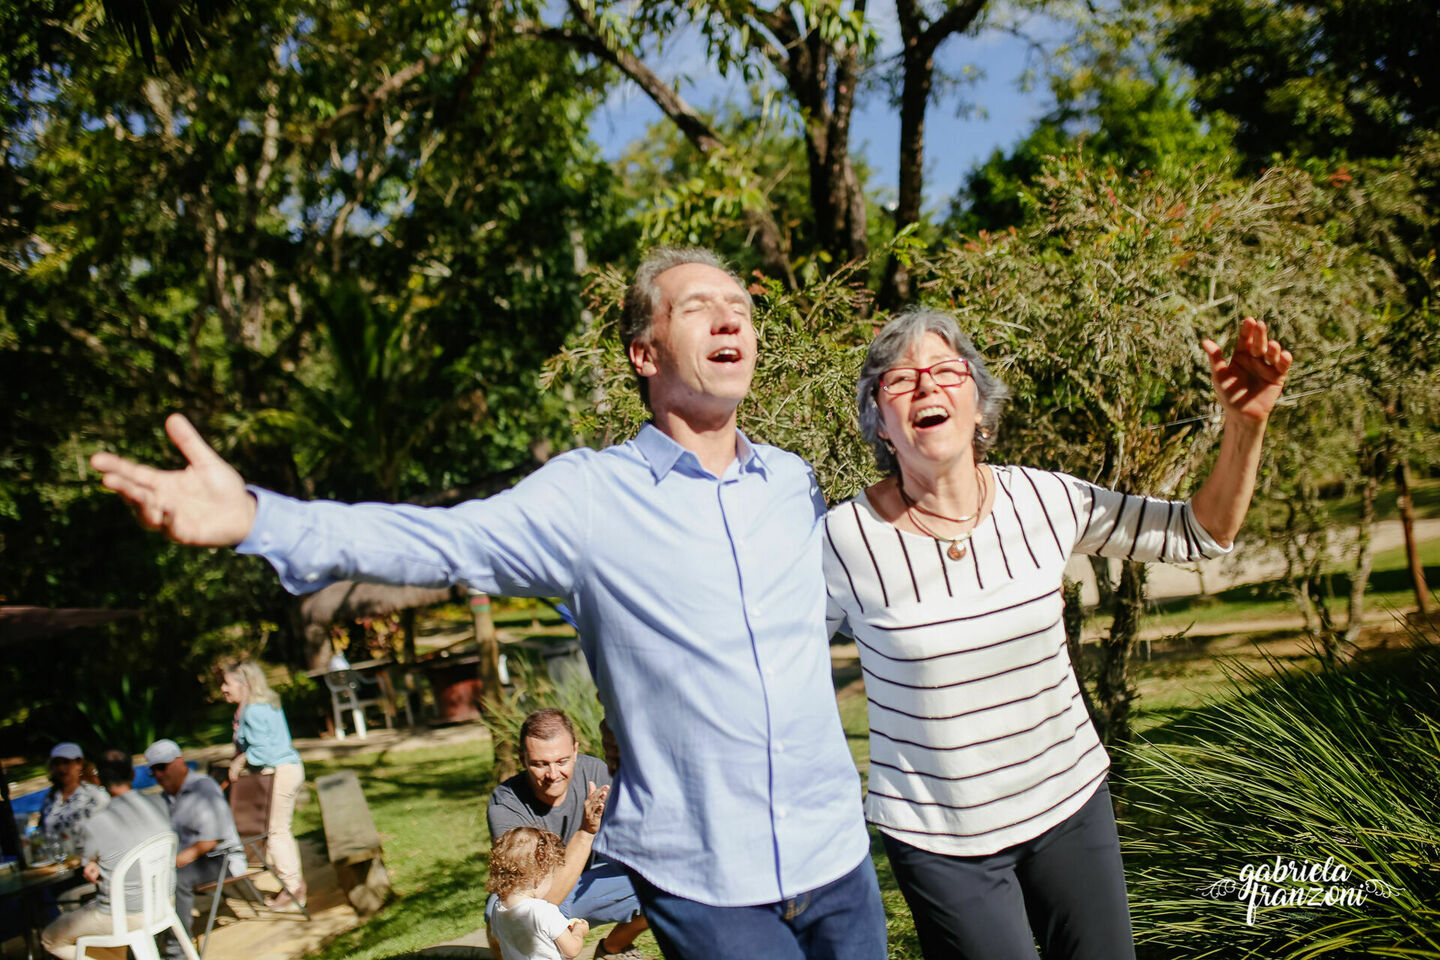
<point x="956" y="551"/>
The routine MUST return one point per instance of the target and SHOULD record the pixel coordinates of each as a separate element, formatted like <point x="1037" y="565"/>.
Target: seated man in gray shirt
<point x="201" y="819"/>
<point x="586" y="886"/>
<point x="129" y="820"/>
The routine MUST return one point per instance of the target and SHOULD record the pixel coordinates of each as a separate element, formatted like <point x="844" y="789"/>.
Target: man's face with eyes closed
<point x="699" y="355"/>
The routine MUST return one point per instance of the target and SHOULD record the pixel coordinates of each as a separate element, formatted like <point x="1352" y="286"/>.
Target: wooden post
<point x="491" y="694"/>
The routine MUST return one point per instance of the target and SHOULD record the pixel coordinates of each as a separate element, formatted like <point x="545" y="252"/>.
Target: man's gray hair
<point x="643" y="295"/>
<point x="897" y="336"/>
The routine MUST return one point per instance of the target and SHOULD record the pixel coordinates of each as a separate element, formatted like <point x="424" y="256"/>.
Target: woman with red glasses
<point x="987" y="779"/>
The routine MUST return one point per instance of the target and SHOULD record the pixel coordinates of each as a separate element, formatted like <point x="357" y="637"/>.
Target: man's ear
<point x="642" y="357"/>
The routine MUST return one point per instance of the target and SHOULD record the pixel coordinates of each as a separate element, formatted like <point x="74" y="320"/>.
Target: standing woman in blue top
<point x="262" y="743"/>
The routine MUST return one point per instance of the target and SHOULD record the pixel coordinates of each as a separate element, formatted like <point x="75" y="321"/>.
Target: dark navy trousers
<point x="1063" y="890"/>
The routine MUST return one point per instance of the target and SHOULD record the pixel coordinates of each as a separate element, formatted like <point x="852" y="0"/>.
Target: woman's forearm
<point x="1223" y="499"/>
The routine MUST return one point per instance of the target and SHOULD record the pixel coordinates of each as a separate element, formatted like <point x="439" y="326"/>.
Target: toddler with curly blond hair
<point x="526" y="925"/>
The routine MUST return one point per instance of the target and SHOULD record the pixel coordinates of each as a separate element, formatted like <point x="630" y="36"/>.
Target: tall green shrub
<point x="534" y="688"/>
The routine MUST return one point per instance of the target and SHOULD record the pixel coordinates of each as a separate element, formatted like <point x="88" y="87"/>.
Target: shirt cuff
<point x="1210" y="548"/>
<point x="281" y="524"/>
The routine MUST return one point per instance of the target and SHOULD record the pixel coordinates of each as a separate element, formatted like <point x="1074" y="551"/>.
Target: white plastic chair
<point x="344" y="686"/>
<point x="155" y="859"/>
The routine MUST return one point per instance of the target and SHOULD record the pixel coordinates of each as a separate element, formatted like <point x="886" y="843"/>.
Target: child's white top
<point x="527" y="931"/>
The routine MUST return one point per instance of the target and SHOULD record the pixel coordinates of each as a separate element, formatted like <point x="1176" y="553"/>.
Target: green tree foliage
<point x="1319" y="78"/>
<point x="343" y="243"/>
<point x="1136" y="117"/>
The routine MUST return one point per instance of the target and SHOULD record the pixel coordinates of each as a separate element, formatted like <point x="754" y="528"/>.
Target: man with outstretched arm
<point x="691" y="557"/>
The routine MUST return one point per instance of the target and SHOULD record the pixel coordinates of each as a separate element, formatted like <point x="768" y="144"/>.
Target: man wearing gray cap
<point x="201" y="819"/>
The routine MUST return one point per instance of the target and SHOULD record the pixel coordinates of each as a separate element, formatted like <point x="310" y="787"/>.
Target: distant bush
<point x="306" y="703"/>
<point x="121" y="716"/>
<point x="1342" y="766"/>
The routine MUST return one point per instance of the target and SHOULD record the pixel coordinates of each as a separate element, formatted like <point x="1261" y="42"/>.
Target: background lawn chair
<point x="347" y="693"/>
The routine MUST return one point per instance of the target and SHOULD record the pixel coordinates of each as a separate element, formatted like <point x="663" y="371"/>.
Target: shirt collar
<point x="663" y="454"/>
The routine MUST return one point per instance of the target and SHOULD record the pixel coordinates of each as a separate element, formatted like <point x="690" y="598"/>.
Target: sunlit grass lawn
<point x="429" y="806"/>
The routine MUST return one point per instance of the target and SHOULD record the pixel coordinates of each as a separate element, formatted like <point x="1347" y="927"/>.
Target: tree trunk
<point x="1112" y="685"/>
<point x="1104" y="586"/>
<point x="919" y="71"/>
<point x="920" y="40"/>
<point x="835" y="195"/>
<point x="1412" y="548"/>
<point x="1074" y="616"/>
<point x="1364" y="547"/>
<point x="491" y="696"/>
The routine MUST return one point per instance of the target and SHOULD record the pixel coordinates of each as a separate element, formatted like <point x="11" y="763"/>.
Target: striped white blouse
<point x="979" y="738"/>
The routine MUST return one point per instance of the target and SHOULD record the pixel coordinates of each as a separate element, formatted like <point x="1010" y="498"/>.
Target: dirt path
<point x="1253" y="565"/>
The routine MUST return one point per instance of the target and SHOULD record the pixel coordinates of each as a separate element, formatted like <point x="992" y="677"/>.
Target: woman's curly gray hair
<point x="897" y="336"/>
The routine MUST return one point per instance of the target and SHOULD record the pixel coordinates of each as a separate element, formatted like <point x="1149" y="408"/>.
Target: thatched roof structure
<point x="33" y="623"/>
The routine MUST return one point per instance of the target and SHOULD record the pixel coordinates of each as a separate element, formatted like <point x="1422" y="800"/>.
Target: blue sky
<point x="1002" y="113"/>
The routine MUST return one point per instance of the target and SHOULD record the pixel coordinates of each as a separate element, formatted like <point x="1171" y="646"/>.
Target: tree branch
<point x="954" y="20"/>
<point x="691" y="124"/>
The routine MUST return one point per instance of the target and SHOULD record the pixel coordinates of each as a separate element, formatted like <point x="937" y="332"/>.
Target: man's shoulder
<point x="782" y="461"/>
<point x="588" y="768"/>
<point x="199" y="785"/>
<point x="573" y="470"/>
<point x="509" y="792"/>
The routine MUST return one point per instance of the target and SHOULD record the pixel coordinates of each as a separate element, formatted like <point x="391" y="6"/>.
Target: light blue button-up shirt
<point x="701" y="605"/>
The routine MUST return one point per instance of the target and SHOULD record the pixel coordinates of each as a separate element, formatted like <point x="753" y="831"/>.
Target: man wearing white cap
<point x="201" y="819"/>
<point x="70" y="801"/>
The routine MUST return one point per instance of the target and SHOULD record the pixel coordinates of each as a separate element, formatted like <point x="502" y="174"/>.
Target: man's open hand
<point x="205" y="504"/>
<point x="594" y="807"/>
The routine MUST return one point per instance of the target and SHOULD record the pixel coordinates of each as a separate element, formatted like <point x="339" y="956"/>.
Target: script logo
<point x="1292" y="883"/>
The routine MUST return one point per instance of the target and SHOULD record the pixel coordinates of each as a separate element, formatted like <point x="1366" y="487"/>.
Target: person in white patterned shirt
<point x="987" y="778"/>
<point x="70" y="802"/>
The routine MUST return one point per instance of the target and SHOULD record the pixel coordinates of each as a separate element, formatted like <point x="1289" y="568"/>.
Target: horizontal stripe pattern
<point x="979" y="738"/>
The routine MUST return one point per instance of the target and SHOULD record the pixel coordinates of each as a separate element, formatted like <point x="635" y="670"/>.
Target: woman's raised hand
<point x="205" y="504"/>
<point x="1249" y="383"/>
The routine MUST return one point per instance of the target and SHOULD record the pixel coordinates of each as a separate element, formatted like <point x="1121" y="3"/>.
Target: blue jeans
<point x="843" y="920"/>
<point x="603" y="894"/>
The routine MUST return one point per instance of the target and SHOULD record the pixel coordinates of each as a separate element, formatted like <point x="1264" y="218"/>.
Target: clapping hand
<point x="594" y="807"/>
<point x="1249" y="383"/>
<point x="205" y="504"/>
